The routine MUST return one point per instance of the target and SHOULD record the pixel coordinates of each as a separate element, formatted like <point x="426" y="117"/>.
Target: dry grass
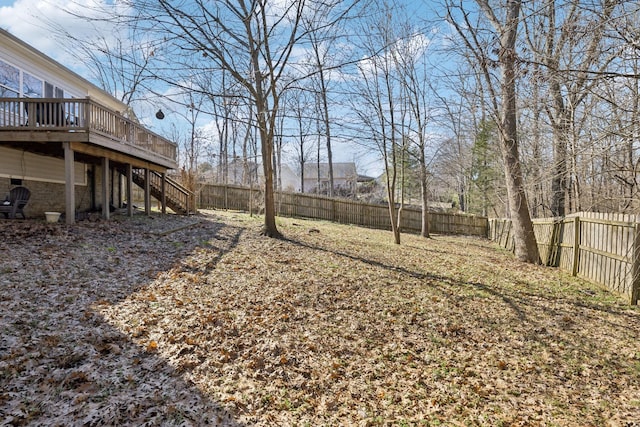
<point x="334" y="326"/>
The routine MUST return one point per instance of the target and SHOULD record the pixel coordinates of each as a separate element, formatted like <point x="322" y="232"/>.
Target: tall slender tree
<point x="566" y="41"/>
<point x="503" y="26"/>
<point x="377" y="106"/>
<point x="411" y="67"/>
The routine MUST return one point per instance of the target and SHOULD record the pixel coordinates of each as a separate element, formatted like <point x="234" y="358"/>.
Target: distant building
<point x="244" y="173"/>
<point x="289" y="181"/>
<point x="345" y="178"/>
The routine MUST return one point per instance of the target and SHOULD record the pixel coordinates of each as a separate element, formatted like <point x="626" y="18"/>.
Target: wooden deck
<point x="91" y="128"/>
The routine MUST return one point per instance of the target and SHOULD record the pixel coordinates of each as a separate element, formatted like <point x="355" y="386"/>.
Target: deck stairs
<point x="178" y="198"/>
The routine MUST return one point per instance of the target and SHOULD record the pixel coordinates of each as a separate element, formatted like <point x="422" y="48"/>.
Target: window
<point x="16" y="83"/>
<point x="7" y="93"/>
<point x="31" y="86"/>
<point x="9" y="80"/>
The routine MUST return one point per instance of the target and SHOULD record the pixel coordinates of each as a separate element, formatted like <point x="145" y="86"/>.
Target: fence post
<point x="507" y="241"/>
<point x="504" y="240"/>
<point x="635" y="279"/>
<point x="576" y="246"/>
<point x="333" y="210"/>
<point x="554" y="243"/>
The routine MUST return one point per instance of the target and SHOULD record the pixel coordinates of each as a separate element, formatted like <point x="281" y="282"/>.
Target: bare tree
<point x="503" y="23"/>
<point x="322" y="38"/>
<point x="191" y="141"/>
<point x="251" y="40"/>
<point x="299" y="104"/>
<point x="409" y="56"/>
<point x="566" y="40"/>
<point x="456" y="115"/>
<point x="376" y="107"/>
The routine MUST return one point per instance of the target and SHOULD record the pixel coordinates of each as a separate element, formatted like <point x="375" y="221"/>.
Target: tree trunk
<point x="327" y="128"/>
<point x="424" y="190"/>
<point x="560" y="125"/>
<point x="393" y="215"/>
<point x="526" y="248"/>
<point x="266" y="140"/>
<point x="269" y="228"/>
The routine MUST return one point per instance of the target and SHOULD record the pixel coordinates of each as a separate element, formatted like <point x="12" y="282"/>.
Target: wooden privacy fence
<point x="300" y="205"/>
<point x="602" y="248"/>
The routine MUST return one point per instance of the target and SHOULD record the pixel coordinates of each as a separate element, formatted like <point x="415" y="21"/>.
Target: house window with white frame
<point x="9" y="80"/>
<point x="31" y="86"/>
<point x="16" y="83"/>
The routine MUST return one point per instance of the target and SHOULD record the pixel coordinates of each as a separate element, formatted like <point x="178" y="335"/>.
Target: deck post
<point x="129" y="190"/>
<point x="164" y="193"/>
<point x="105" y="188"/>
<point x="147" y="191"/>
<point x="69" y="184"/>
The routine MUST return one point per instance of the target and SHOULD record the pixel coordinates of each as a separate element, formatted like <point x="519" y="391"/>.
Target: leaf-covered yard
<point x="196" y="321"/>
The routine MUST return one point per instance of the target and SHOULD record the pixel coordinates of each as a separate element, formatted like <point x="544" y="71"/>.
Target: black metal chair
<point x="15" y="202"/>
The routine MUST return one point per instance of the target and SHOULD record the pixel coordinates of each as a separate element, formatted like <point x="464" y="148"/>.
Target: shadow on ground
<point x="61" y="363"/>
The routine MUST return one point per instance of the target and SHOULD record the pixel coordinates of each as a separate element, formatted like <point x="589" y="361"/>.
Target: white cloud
<point x="35" y="21"/>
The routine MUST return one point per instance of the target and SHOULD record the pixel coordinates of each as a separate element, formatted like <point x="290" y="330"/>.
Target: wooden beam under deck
<point x="88" y="143"/>
<point x="55" y="149"/>
<point x="134" y="151"/>
<point x="43" y="136"/>
<point x="129" y="189"/>
<point x="92" y="150"/>
<point x="147" y="192"/>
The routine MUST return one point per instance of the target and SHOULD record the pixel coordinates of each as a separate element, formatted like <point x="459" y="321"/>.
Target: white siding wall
<point x="29" y="166"/>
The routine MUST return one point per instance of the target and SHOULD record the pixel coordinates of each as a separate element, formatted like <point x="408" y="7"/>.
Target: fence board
<point x="341" y="210"/>
<point x="602" y="248"/>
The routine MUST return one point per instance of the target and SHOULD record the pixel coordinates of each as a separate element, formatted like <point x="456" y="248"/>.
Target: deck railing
<point x="80" y="115"/>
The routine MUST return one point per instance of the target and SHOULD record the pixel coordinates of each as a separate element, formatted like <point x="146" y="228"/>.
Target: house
<point x="247" y="172"/>
<point x="345" y="178"/>
<point x="76" y="147"/>
<point x="236" y="172"/>
<point x="287" y="179"/>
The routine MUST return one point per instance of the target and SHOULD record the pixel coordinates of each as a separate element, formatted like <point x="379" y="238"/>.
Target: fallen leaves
<point x="60" y="362"/>
<point x="334" y="326"/>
